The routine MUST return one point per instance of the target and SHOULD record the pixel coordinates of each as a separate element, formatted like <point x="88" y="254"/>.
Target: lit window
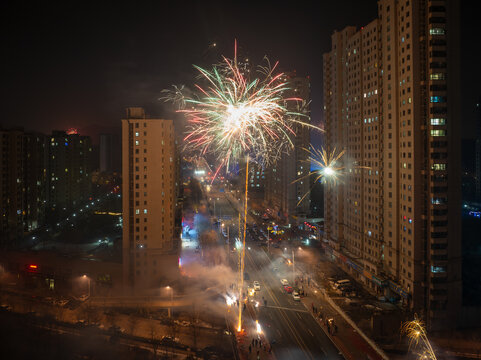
<point x="137" y="211"/>
<point x="438" y="121"/>
<point x="437" y="31"/>
<point x="145" y="211"/>
<point x="438" y="269"/>
<point x="438" y="132"/>
<point x="136" y="133"/>
<point x="136" y="142"/>
<point x="438" y="76"/>
<point x="438" y="167"/>
<point x="438" y="99"/>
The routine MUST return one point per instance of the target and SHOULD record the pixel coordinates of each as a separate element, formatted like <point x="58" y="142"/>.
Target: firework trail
<point x="418" y="339"/>
<point x="234" y="112"/>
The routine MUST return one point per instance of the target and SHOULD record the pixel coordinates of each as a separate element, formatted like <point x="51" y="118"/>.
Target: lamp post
<point x="293" y="267"/>
<point x="171" y="310"/>
<point x="88" y="280"/>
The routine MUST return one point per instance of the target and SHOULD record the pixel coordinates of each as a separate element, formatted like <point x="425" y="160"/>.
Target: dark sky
<point x="78" y="64"/>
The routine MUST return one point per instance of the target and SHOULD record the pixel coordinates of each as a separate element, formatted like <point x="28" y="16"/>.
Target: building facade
<point x="69" y="171"/>
<point x="286" y="182"/>
<point x="391" y="102"/>
<point x="23" y="185"/>
<point x="150" y="189"/>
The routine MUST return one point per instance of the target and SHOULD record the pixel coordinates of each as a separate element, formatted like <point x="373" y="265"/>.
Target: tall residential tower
<point x="391" y="100"/>
<point x="149" y="189"/>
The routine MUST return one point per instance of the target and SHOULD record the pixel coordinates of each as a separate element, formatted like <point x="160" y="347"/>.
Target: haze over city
<point x="240" y="181"/>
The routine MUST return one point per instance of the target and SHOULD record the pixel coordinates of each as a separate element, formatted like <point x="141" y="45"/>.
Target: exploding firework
<point x="235" y="112"/>
<point x="418" y="339"/>
<point x="325" y="164"/>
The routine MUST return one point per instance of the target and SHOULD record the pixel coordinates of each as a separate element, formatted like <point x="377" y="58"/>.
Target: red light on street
<point x="33" y="267"/>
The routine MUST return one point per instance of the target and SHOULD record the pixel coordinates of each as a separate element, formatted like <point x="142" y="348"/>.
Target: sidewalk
<point x="347" y="339"/>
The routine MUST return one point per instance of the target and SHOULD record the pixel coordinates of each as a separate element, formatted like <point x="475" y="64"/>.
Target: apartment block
<point x="69" y="171"/>
<point x="285" y="184"/>
<point x="391" y="101"/>
<point x="150" y="186"/>
<point x="23" y="185"/>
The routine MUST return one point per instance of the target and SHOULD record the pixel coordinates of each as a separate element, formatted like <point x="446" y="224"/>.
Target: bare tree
<point x="154" y="340"/>
<point x="194" y="320"/>
<point x="133" y="322"/>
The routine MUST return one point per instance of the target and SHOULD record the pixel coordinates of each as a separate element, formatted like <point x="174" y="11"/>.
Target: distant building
<point x="105" y="152"/>
<point x="150" y="187"/>
<point x="23" y="183"/>
<point x="391" y="100"/>
<point x="285" y="184"/>
<point x="69" y="171"/>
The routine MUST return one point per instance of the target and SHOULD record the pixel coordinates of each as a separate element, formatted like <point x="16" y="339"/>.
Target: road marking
<point x="288" y="322"/>
<point x="286" y="308"/>
<point x="310" y="332"/>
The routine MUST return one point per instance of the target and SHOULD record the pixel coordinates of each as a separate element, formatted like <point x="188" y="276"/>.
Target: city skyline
<point x="225" y="180"/>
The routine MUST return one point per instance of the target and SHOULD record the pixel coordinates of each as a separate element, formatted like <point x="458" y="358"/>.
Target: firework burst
<point x="418" y="339"/>
<point x="235" y="112"/>
<point x="327" y="165"/>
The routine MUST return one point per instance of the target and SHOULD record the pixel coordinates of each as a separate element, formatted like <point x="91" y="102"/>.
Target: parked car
<point x="257" y="286"/>
<point x="284" y="282"/>
<point x="295" y="296"/>
<point x="288" y="289"/>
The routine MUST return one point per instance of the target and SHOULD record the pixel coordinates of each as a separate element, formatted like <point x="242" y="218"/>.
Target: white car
<point x="284" y="282"/>
<point x="257" y="286"/>
<point x="295" y="296"/>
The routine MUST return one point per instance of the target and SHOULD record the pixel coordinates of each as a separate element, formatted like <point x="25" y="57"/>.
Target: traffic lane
<point x="292" y="345"/>
<point x="313" y="335"/>
<point x="274" y="282"/>
<point x="303" y="322"/>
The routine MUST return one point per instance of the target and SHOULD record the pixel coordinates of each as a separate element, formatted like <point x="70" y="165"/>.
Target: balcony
<point x="438" y="241"/>
<point x="438" y="286"/>
<point x="439" y="252"/>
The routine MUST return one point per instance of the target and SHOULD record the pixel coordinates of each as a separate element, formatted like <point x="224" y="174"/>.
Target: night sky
<point x="79" y="64"/>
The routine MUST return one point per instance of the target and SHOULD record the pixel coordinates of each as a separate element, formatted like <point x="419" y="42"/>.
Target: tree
<point x="133" y="322"/>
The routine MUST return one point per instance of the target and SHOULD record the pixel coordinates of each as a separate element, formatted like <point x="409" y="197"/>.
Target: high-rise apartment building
<point x="149" y="188"/>
<point x="23" y="183"/>
<point x="105" y="152"/>
<point x="391" y="100"/>
<point x="285" y="184"/>
<point x="69" y="171"/>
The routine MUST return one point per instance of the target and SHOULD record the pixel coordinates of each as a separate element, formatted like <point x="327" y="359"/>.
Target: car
<point x="257" y="286"/>
<point x="83" y="297"/>
<point x="288" y="289"/>
<point x="284" y="282"/>
<point x="295" y="296"/>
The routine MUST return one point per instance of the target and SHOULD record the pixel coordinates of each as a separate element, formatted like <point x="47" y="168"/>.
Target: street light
<point x="171" y="309"/>
<point x="88" y="279"/>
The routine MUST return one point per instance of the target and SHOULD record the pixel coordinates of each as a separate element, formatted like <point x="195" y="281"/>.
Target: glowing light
<point x="258" y="327"/>
<point x="328" y="171"/>
<point x="230" y="300"/>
